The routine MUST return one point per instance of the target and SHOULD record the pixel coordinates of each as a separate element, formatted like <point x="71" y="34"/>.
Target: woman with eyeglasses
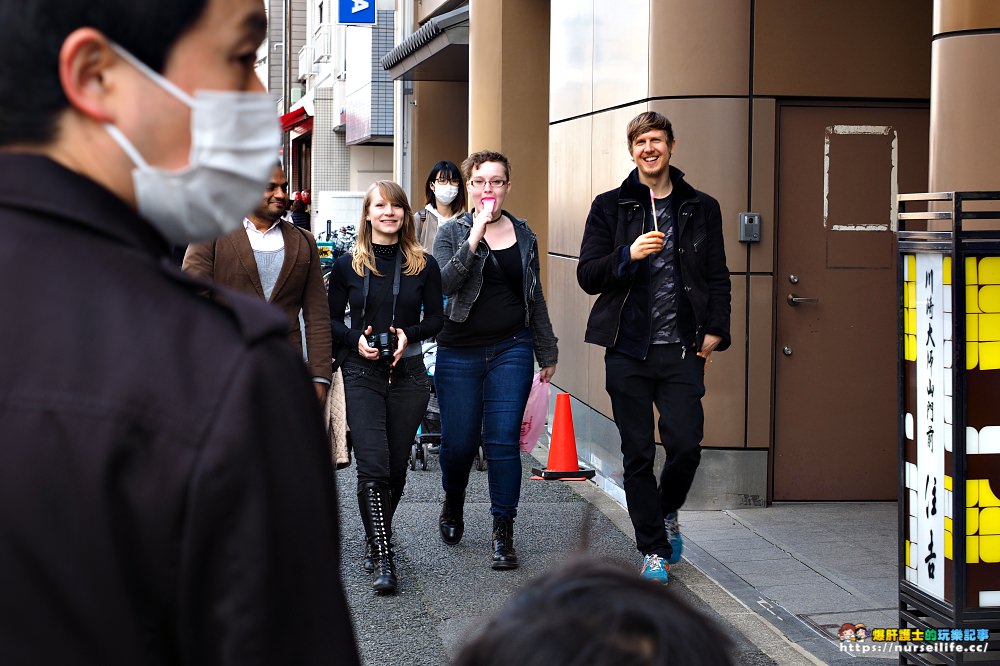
<point x="496" y="325"/>
<point x="445" y="199"/>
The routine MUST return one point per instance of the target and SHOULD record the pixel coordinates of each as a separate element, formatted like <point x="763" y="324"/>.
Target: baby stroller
<point x="429" y="433"/>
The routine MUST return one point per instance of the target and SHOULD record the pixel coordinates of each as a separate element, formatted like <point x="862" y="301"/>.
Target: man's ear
<point x="85" y="61"/>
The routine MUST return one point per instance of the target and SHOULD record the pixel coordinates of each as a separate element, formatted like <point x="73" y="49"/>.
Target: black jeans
<point x="675" y="384"/>
<point x="384" y="415"/>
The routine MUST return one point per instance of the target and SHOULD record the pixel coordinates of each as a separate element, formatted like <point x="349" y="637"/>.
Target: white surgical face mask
<point x="234" y="149"/>
<point x="445" y="193"/>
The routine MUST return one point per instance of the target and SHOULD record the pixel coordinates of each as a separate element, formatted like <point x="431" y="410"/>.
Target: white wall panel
<point x="571" y="55"/>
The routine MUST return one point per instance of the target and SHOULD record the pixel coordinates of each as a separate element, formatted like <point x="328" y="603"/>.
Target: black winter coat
<point x="621" y="316"/>
<point x="166" y="490"/>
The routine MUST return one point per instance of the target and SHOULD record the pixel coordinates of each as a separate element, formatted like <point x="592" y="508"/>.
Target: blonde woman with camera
<point x="388" y="279"/>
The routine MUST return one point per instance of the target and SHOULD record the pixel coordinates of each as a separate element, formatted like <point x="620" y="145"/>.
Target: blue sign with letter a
<point x="358" y="12"/>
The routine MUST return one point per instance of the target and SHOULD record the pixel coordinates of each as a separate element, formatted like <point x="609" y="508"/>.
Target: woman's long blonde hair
<point x="413" y="252"/>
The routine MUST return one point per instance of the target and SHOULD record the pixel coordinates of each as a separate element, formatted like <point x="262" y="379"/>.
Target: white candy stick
<point x="652" y="203"/>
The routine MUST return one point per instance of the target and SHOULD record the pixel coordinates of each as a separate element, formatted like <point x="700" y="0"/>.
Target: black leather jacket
<point x="621" y="317"/>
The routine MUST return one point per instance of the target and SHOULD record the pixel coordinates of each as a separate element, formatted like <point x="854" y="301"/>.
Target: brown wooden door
<point x="839" y="170"/>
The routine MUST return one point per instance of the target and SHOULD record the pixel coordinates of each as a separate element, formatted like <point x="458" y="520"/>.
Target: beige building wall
<point x="509" y="100"/>
<point x="848" y="49"/>
<point x="368" y="164"/>
<point x="965" y="143"/>
<point x="440" y="127"/>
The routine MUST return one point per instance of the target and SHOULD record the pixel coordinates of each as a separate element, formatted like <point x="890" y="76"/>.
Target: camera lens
<point x="385" y="343"/>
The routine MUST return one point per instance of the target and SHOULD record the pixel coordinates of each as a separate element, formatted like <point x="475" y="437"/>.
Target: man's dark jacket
<point x="166" y="494"/>
<point x="621" y="317"/>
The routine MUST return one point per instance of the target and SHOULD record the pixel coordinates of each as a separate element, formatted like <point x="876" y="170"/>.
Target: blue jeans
<point x="482" y="392"/>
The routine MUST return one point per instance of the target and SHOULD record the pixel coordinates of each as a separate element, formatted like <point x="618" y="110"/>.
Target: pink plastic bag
<point x="535" y="411"/>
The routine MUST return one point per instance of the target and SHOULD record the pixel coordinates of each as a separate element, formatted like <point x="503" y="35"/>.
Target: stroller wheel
<point x="422" y="454"/>
<point x="413" y="456"/>
<point x="481" y="459"/>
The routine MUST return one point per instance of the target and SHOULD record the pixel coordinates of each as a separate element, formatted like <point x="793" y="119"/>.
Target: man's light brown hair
<point x="646" y="122"/>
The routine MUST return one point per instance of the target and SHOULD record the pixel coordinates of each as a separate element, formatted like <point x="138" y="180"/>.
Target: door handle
<point x="794" y="300"/>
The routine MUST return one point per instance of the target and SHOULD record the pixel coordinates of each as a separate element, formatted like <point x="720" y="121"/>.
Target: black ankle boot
<point x="451" y="524"/>
<point x="375" y="502"/>
<point x="504" y="556"/>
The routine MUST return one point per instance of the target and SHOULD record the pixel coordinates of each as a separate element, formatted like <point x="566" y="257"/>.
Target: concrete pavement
<point x="447" y="593"/>
<point x="807" y="568"/>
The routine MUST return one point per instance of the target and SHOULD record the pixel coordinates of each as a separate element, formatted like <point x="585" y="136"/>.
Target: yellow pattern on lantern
<point x="982" y="523"/>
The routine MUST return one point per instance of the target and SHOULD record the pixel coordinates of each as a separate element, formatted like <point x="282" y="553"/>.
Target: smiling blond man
<point x="653" y="253"/>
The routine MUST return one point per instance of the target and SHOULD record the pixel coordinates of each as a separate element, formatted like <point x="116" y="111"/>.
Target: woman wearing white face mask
<point x="445" y="201"/>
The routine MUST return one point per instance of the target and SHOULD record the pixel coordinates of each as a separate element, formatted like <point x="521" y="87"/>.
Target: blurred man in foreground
<point x="160" y="501"/>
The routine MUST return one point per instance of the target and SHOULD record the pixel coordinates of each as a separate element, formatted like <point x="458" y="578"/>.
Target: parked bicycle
<point x="332" y="244"/>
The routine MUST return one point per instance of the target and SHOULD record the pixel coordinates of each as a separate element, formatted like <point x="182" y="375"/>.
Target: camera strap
<point x="395" y="292"/>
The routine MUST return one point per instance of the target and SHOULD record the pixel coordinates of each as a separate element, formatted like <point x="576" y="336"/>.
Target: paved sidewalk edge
<point x="795" y="631"/>
<point x="742" y="610"/>
<point x="831" y="576"/>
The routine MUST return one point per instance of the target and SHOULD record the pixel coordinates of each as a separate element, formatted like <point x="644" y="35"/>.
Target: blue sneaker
<point x="674" y="537"/>
<point x="655" y="568"/>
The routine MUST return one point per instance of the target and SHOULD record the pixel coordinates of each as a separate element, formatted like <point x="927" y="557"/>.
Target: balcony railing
<point x="323" y="43"/>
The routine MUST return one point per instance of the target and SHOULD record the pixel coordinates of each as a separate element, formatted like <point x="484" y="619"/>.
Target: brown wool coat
<point x="230" y="262"/>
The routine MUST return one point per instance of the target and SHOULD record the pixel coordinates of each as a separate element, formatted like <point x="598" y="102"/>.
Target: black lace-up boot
<point x="369" y="561"/>
<point x="376" y="503"/>
<point x="504" y="556"/>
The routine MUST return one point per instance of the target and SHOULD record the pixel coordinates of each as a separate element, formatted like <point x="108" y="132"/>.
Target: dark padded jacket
<point x="166" y="488"/>
<point x="621" y="316"/>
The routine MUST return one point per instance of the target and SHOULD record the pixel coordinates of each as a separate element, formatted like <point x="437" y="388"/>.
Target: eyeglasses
<point x="479" y="183"/>
<point x="446" y="181"/>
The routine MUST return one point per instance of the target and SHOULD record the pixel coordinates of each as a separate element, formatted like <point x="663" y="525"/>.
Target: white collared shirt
<point x="264" y="241"/>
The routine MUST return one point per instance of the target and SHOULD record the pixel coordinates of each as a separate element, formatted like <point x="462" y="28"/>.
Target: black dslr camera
<point x="385" y="343"/>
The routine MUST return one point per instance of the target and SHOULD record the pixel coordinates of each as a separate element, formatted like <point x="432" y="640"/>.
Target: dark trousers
<point x="675" y="384"/>
<point x="384" y="415"/>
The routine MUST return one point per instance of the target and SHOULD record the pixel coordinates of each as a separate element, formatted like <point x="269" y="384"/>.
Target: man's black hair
<point x="32" y="33"/>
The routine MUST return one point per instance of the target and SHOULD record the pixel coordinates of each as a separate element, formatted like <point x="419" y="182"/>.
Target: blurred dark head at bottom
<point x="599" y="614"/>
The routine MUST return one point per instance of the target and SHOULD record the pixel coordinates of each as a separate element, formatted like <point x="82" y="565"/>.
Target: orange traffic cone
<point x="563" y="463"/>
